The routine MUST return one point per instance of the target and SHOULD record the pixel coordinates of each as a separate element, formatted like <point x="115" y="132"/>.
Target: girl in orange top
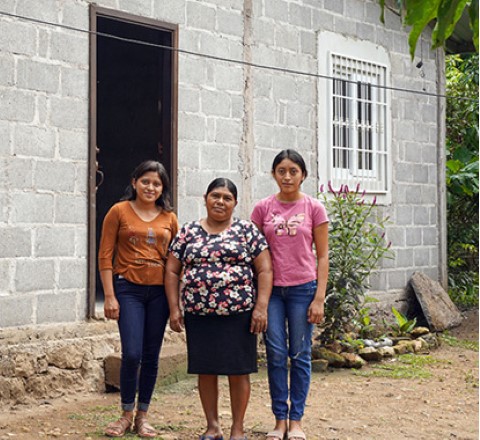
<point x="136" y="234"/>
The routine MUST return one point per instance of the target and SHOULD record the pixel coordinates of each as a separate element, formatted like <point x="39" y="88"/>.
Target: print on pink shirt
<point x="289" y="226"/>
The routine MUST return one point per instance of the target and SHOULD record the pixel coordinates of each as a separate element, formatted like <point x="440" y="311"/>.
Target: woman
<point x="133" y="250"/>
<point x="223" y="310"/>
<point x="292" y="222"/>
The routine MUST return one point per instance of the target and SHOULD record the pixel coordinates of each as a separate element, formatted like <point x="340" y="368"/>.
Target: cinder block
<point x="38" y="76"/>
<point x="139" y="7"/>
<point x="308" y="43"/>
<point x="172" y="11"/>
<point x="30" y="140"/>
<point x="81" y="178"/>
<point x="189" y="100"/>
<point x="6" y="275"/>
<point x="263" y="32"/>
<point x="214" y="157"/>
<point x="336" y="6"/>
<point x="59" y="307"/>
<point x="284" y="87"/>
<point x="16" y="173"/>
<point x="7" y="67"/>
<point x="18" y="38"/>
<point x="396" y="235"/>
<point x="73" y="274"/>
<point x="404" y="215"/>
<point x="4" y="206"/>
<point x="75" y="82"/>
<point x="73" y="144"/>
<point x="76" y="14"/>
<point x="40" y="9"/>
<point x="16" y="310"/>
<point x="420" y="215"/>
<point x="55" y="176"/>
<point x="422" y="257"/>
<point x="30" y="207"/>
<point x="4" y="138"/>
<point x="263" y="111"/>
<point x="300" y="15"/>
<point x="172" y="364"/>
<point x="70" y="209"/>
<point x="286" y="37"/>
<point x="396" y="279"/>
<point x="200" y="16"/>
<point x="192" y="127"/>
<point x="228" y="131"/>
<point x="69" y="113"/>
<point x="215" y="103"/>
<point x="299" y="115"/>
<point x="70" y="48"/>
<point x="16" y="105"/>
<point x="230" y="22"/>
<point x="81" y="241"/>
<point x="189" y="208"/>
<point x="264" y="135"/>
<point x="413" y="236"/>
<point x="228" y="77"/>
<point x="276" y="9"/>
<point x="15" y="242"/>
<point x="33" y="275"/>
<point x="54" y="242"/>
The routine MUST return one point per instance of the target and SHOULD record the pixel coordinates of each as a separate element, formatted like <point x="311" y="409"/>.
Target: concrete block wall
<point x="232" y="121"/>
<point x="43" y="162"/>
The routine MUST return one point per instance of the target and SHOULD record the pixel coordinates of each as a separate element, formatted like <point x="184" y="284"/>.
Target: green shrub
<point x="356" y="244"/>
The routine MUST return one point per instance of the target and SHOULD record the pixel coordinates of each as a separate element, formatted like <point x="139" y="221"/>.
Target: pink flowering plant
<point x="356" y="245"/>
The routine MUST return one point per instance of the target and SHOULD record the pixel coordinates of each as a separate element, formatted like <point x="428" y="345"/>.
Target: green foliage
<point x="462" y="179"/>
<point x="418" y="14"/>
<point x="356" y="244"/>
<point x="403" y="325"/>
<point x="407" y="366"/>
<point x="455" y="342"/>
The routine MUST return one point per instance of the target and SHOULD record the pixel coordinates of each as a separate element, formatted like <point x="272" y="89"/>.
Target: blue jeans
<point x="289" y="334"/>
<point x="143" y="316"/>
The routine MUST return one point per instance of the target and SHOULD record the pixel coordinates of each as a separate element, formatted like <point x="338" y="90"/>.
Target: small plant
<point x="357" y="243"/>
<point x="403" y="325"/>
<point x="452" y="341"/>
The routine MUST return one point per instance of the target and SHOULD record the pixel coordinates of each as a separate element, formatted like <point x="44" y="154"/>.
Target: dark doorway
<point x="135" y="113"/>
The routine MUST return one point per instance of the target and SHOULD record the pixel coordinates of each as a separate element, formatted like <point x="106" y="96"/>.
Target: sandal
<point x="211" y="437"/>
<point x="118" y="428"/>
<point x="143" y="428"/>
<point x="297" y="435"/>
<point x="276" y="435"/>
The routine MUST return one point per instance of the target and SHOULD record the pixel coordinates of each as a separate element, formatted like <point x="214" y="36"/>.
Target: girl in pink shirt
<point x="292" y="223"/>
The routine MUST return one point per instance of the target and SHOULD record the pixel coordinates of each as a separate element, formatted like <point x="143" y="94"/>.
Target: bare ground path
<point x="342" y="405"/>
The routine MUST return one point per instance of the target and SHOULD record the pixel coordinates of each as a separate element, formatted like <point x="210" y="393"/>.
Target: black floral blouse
<point x="218" y="268"/>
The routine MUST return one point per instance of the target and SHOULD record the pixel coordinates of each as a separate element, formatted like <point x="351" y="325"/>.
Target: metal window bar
<point x="358" y="124"/>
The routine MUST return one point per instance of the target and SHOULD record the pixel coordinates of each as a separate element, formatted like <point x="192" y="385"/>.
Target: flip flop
<point x="297" y="435"/>
<point x="276" y="435"/>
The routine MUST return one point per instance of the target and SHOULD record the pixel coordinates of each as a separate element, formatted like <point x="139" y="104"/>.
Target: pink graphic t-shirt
<point x="288" y="228"/>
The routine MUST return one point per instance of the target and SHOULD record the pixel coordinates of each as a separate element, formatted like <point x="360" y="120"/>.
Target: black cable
<point x="229" y="60"/>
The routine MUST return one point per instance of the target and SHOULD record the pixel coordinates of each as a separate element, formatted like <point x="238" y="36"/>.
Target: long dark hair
<point x="294" y="156"/>
<point x="222" y="182"/>
<point x="164" y="200"/>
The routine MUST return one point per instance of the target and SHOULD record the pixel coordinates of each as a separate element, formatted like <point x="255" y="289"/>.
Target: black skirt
<point x="221" y="345"/>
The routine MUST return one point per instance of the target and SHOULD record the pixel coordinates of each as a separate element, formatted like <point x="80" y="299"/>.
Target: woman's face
<point x="149" y="187"/>
<point x="289" y="176"/>
<point x="220" y="204"/>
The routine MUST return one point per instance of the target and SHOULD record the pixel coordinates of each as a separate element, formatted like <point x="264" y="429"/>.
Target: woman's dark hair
<point x="164" y="200"/>
<point x="222" y="182"/>
<point x="294" y="156"/>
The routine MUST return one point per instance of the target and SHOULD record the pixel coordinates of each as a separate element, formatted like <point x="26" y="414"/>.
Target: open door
<point x="133" y="113"/>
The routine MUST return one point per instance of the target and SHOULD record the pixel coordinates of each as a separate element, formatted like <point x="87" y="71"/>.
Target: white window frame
<point x="362" y="63"/>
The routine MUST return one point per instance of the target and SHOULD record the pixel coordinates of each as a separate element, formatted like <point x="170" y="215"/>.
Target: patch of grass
<point x="462" y="343"/>
<point x="406" y="366"/>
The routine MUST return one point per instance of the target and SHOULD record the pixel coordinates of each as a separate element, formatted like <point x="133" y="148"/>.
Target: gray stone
<point x="38" y="76"/>
<point x="33" y="275"/>
<point x="18" y="38"/>
<point x="419" y="331"/>
<point x="70" y="48"/>
<point x="16" y="105"/>
<point x="370" y="354"/>
<point x="319" y="365"/>
<point x="73" y="274"/>
<point x="15" y="242"/>
<point x="69" y="113"/>
<point x="353" y="360"/>
<point x="16" y="310"/>
<point x="70" y="209"/>
<point x="32" y="207"/>
<point x="438" y="308"/>
<point x="30" y="140"/>
<point x="56" y="307"/>
<point x="54" y="242"/>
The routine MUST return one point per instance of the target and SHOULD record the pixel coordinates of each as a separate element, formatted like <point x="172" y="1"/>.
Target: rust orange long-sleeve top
<point x="134" y="248"/>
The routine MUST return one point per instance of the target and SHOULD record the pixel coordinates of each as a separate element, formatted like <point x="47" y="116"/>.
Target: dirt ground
<point x="342" y="404"/>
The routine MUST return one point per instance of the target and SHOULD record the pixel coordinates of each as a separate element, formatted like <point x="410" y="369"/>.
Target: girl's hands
<point x="316" y="311"/>
<point x="111" y="308"/>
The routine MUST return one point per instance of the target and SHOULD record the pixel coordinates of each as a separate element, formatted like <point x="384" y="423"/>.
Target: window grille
<point x="358" y="140"/>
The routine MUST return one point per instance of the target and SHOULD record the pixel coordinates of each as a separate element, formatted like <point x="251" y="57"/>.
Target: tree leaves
<point x="420" y="13"/>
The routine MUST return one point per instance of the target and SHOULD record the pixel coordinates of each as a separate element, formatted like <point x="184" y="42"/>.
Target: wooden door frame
<point x="96" y="11"/>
